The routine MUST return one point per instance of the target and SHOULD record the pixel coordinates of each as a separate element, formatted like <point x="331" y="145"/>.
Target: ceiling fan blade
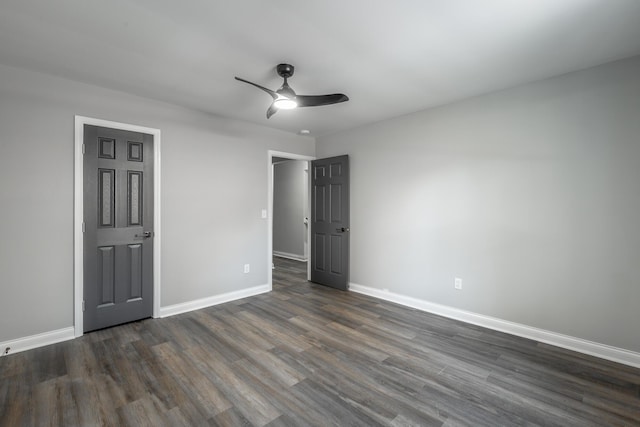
<point x="273" y="94"/>
<point x="271" y="110"/>
<point x="318" y="100"/>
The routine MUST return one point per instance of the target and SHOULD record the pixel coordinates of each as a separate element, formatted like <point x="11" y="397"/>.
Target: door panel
<point x="336" y="203"/>
<point x="106" y="279"/>
<point x="118" y="211"/>
<point x="336" y="254"/>
<point x="319" y="197"/>
<point x="107" y="197"/>
<point x="134" y="258"/>
<point x="318" y="263"/>
<point x="330" y="222"/>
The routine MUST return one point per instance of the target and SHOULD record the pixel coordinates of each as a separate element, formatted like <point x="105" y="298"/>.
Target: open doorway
<point x="289" y="212"/>
<point x="290" y="209"/>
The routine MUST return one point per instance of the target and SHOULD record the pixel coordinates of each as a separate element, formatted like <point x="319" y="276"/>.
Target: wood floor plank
<point x="55" y="405"/>
<point x="340" y="373"/>
<point x="17" y="408"/>
<point x="275" y="367"/>
<point x="338" y="342"/>
<point x="230" y="418"/>
<point x="142" y="412"/>
<point x="307" y="355"/>
<point x="91" y="410"/>
<point x="278" y="334"/>
<point x="251" y="404"/>
<point x="197" y="386"/>
<point x="294" y="411"/>
<point x="338" y="411"/>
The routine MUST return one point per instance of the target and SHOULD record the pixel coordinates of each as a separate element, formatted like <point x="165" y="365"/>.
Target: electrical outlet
<point x="247" y="268"/>
<point x="457" y="283"/>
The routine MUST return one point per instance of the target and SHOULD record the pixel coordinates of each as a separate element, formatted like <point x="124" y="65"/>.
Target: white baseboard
<point x="603" y="351"/>
<point x="184" y="307"/>
<point x="38" y="340"/>
<point x="52" y="337"/>
<point x="294" y="257"/>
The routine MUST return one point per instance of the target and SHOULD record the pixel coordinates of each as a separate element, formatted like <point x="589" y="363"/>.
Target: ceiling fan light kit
<point x="285" y="98"/>
<point x="285" y="103"/>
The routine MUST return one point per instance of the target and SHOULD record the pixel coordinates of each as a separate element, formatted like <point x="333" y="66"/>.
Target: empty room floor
<point x="309" y="355"/>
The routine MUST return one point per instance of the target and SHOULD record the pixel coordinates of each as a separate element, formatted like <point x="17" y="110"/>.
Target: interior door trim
<point x="78" y="205"/>
<point x="270" y="155"/>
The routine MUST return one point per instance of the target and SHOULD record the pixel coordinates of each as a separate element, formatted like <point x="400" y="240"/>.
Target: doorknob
<point x="145" y="234"/>
<point x="342" y="229"/>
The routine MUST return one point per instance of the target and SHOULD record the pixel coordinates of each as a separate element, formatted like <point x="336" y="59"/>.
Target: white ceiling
<point x="390" y="57"/>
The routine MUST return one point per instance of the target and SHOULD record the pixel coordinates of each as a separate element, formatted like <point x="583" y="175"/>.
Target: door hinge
<point x="83" y="227"/>
<point x="82" y="305"/>
<point x="83" y="148"/>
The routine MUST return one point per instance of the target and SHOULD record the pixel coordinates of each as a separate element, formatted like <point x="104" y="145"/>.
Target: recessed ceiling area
<point x="390" y="58"/>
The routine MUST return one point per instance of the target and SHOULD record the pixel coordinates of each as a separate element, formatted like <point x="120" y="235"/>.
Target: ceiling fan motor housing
<point x="285" y="70"/>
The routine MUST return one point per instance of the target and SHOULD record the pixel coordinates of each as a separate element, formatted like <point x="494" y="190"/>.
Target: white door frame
<point x="270" y="155"/>
<point x="78" y="214"/>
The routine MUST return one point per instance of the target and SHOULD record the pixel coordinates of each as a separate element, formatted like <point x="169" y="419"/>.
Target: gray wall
<point x="214" y="186"/>
<point x="530" y="195"/>
<point x="289" y="197"/>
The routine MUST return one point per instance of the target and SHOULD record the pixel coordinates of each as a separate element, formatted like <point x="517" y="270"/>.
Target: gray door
<point x="330" y="222"/>
<point x="118" y="227"/>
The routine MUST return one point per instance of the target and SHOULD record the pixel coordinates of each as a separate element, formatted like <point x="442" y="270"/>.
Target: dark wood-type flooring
<point x="309" y="355"/>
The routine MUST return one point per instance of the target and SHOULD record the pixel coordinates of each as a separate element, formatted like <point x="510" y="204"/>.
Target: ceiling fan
<point x="285" y="98"/>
